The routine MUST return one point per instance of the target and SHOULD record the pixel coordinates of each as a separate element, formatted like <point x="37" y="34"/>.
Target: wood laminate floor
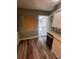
<point x="33" y="49"/>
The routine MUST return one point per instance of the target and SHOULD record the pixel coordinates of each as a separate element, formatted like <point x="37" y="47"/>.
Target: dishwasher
<point x="49" y="40"/>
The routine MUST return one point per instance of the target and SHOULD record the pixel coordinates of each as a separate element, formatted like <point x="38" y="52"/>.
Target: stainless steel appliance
<point x="49" y="40"/>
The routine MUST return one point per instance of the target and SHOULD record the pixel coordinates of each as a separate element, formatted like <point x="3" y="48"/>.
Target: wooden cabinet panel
<point x="29" y="23"/>
<point x="56" y="47"/>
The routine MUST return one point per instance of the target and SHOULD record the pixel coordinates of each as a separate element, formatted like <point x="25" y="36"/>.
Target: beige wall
<point x="23" y="13"/>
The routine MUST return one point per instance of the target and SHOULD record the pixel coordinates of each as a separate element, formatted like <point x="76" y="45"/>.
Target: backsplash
<point x="57" y="30"/>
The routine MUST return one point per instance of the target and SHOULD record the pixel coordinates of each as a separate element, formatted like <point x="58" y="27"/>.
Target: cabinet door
<point x="57" y="20"/>
<point x="29" y="23"/>
<point x="56" y="47"/>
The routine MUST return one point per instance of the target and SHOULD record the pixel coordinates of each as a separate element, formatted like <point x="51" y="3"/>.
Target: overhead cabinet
<point x="56" y="20"/>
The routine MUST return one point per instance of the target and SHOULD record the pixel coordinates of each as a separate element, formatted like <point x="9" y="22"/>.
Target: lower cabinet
<point x="56" y="48"/>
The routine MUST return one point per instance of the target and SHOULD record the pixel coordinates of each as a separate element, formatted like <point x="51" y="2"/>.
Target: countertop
<point x="56" y="35"/>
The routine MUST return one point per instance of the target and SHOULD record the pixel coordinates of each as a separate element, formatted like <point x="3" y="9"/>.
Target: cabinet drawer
<point x="56" y="47"/>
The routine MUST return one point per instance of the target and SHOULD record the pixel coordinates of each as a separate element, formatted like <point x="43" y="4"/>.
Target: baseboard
<point x="32" y="37"/>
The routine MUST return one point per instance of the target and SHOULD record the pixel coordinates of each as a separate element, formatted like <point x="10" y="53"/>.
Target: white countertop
<point x="56" y="35"/>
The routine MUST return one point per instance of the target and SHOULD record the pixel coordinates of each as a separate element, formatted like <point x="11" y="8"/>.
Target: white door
<point x="43" y="25"/>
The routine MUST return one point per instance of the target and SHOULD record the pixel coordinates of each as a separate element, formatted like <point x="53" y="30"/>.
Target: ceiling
<point x="44" y="5"/>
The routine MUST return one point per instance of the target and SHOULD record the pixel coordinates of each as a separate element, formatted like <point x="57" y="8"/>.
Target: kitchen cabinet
<point x="57" y="19"/>
<point x="56" y="45"/>
<point x="56" y="48"/>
